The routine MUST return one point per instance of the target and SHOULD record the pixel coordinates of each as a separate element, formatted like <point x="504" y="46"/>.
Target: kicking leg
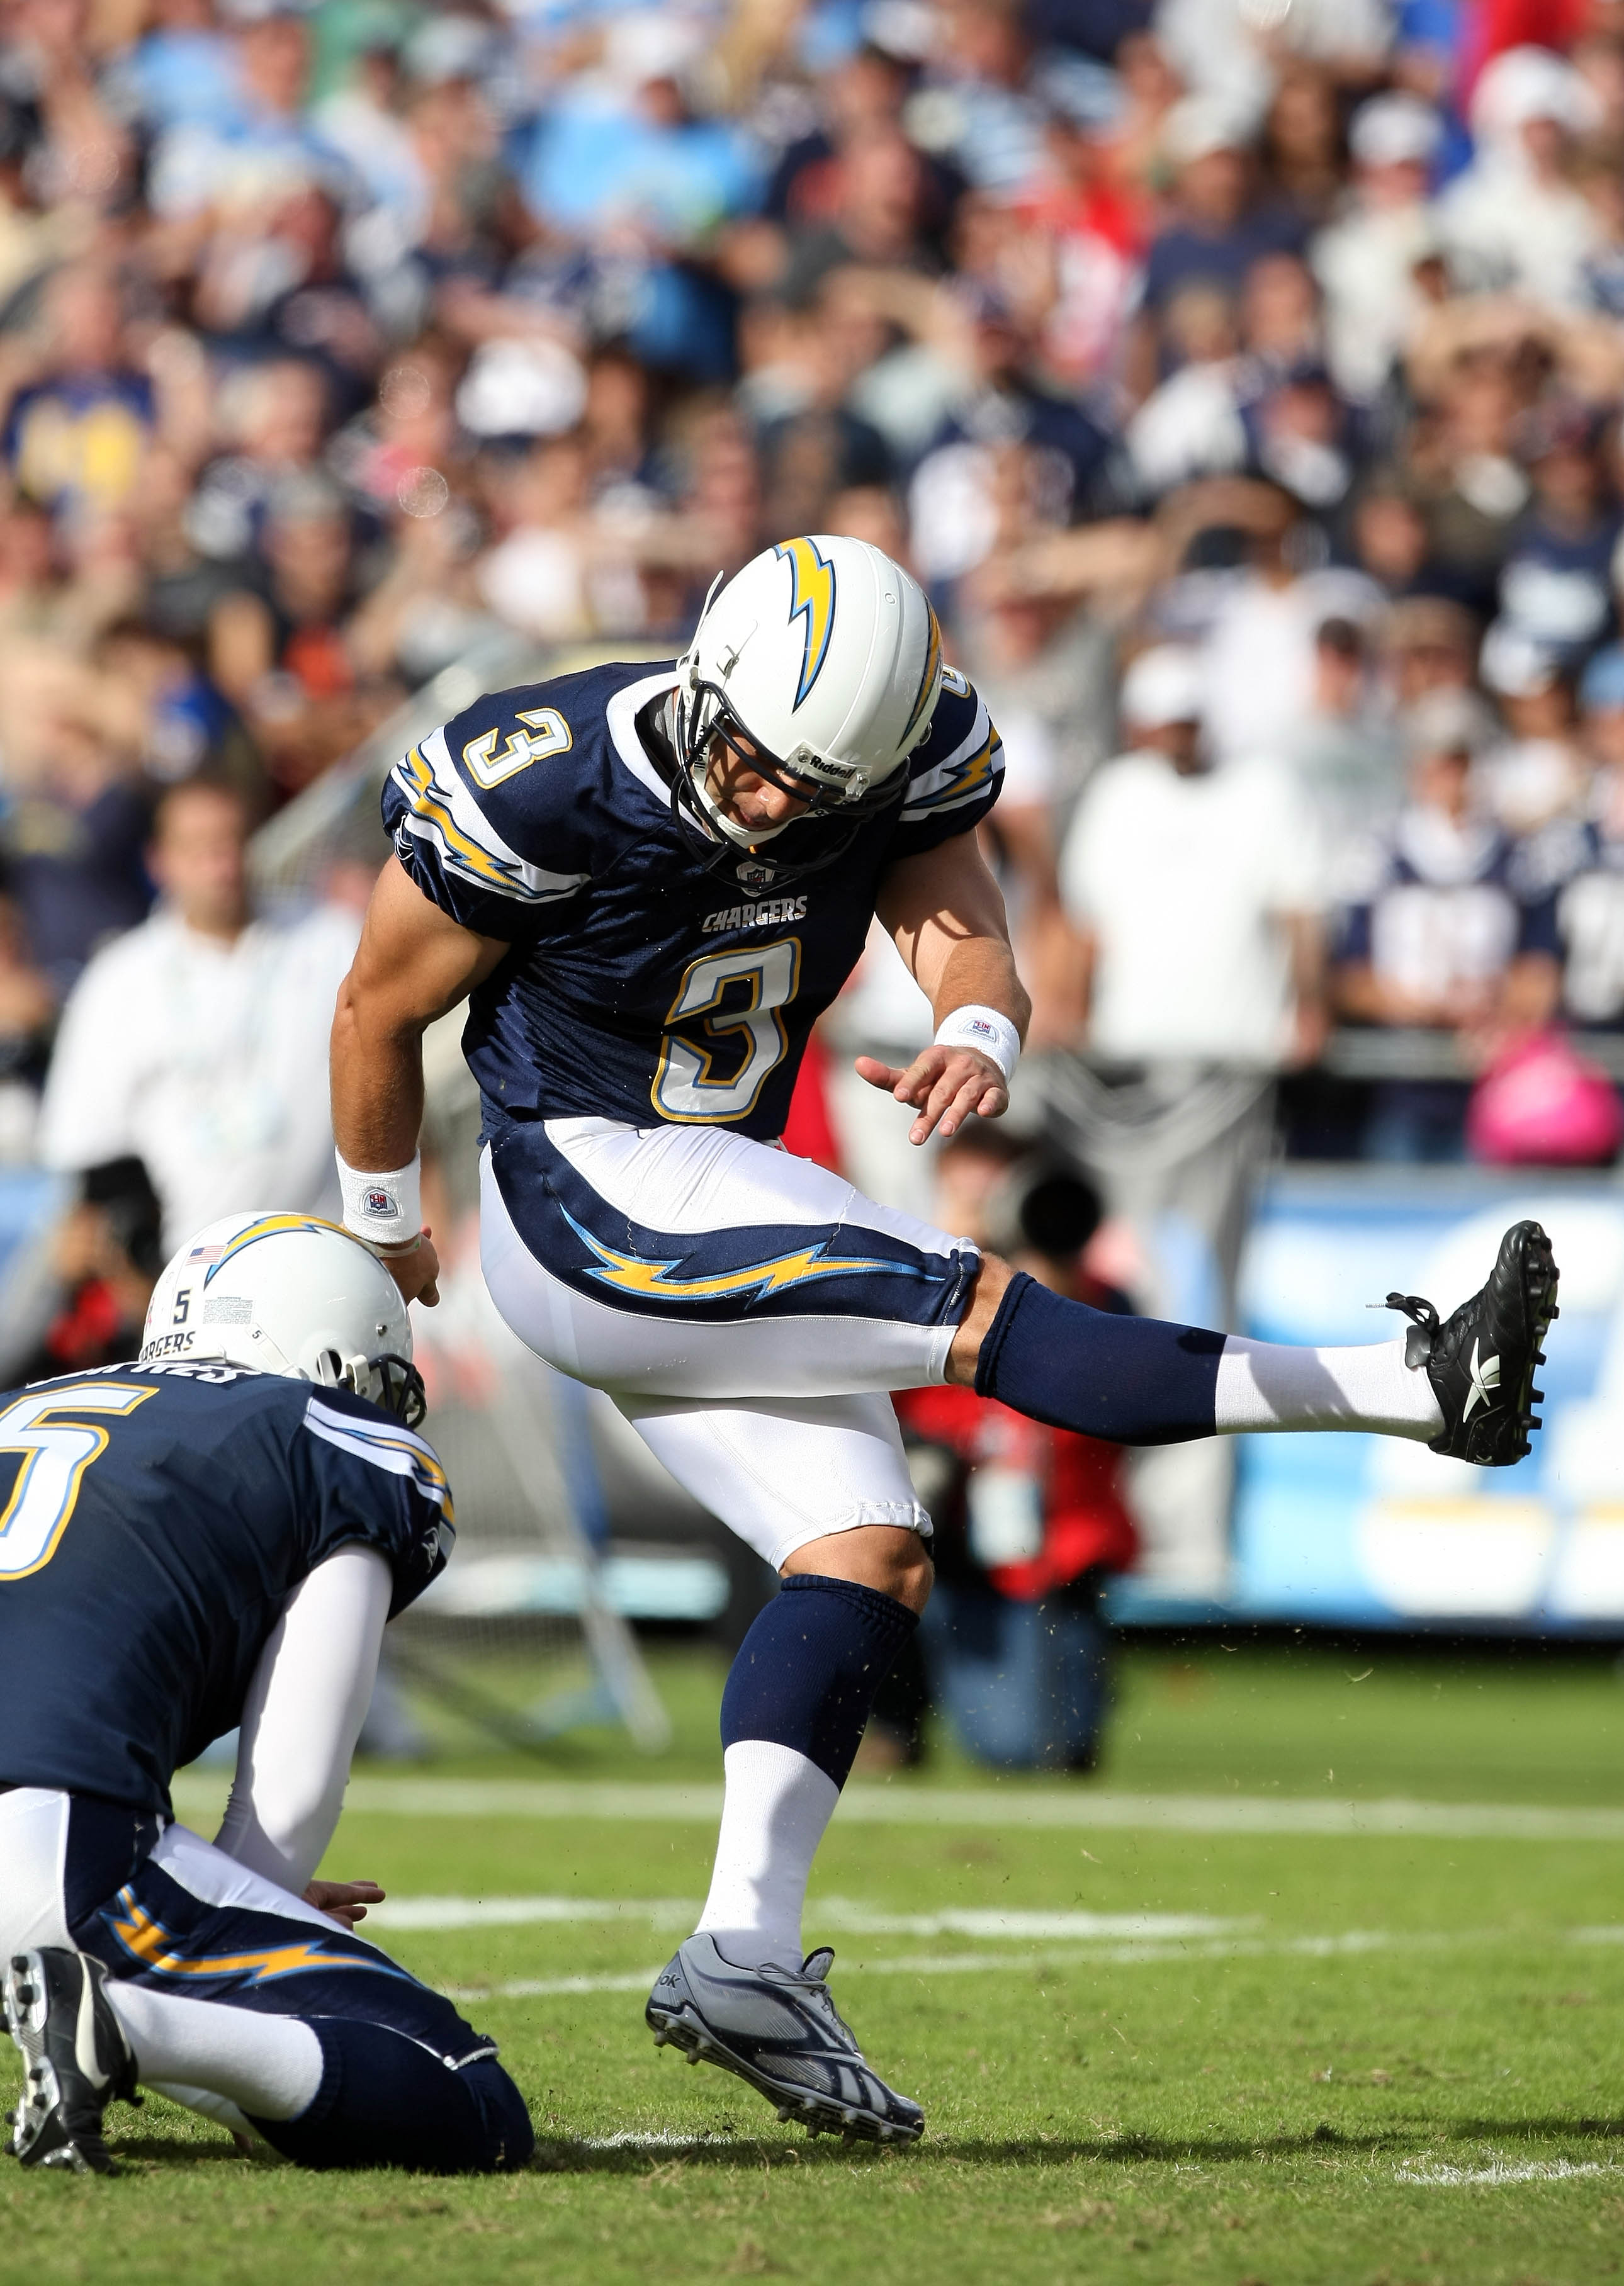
<point x="1464" y="1386"/>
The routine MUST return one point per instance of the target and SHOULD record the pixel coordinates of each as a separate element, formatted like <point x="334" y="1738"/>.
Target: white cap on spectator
<point x="1446" y="721"/>
<point x="651" y="43"/>
<point x="1527" y="83"/>
<point x="534" y="388"/>
<point x="1516" y="664"/>
<point x="1395" y="131"/>
<point x="449" y="47"/>
<point x="1166" y="684"/>
<point x="1198" y="125"/>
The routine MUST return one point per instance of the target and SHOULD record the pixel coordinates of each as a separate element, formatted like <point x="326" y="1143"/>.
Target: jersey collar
<point x="621" y="713"/>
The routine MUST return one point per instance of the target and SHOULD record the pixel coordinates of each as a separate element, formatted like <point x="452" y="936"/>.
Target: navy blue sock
<point x="386" y="2101"/>
<point x="807" y="1671"/>
<point x="1133" y="1381"/>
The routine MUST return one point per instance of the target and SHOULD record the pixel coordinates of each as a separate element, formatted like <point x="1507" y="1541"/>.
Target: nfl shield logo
<point x="381" y="1202"/>
<point x="753" y="874"/>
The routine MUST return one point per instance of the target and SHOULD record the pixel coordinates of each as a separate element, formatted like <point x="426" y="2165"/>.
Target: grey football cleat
<point x="779" y="2030"/>
<point x="75" y="2059"/>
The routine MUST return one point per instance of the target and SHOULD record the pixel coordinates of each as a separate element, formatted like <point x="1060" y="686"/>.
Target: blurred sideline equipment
<point x="521" y="1638"/>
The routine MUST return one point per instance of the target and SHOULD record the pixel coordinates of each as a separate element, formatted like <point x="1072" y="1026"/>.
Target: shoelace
<point x="818" y="1986"/>
<point x="1418" y="1342"/>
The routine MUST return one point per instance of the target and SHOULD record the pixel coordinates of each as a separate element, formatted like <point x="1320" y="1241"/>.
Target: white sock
<point x="220" y="2109"/>
<point x="270" y="2067"/>
<point x="1266" y="1385"/>
<point x="773" y="1815"/>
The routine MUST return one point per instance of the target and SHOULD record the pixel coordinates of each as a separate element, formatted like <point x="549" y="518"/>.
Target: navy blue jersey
<point x="1447" y="906"/>
<point x="156" y="1520"/>
<point x="642" y="986"/>
<point x="1583" y="860"/>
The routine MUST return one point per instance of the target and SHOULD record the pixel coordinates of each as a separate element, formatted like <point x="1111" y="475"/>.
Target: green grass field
<point x="1387" y="2049"/>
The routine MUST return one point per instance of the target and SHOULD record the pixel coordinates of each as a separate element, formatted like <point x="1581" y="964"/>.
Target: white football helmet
<point x="825" y="655"/>
<point x="288" y="1294"/>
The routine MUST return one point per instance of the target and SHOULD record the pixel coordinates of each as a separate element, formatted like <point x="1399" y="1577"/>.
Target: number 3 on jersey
<point x="699" y="1074"/>
<point x="55" y="1455"/>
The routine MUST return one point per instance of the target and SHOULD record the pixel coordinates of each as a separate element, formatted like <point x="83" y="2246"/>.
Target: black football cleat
<point x="1480" y="1361"/>
<point x="75" y="2059"/>
<point x="778" y="2028"/>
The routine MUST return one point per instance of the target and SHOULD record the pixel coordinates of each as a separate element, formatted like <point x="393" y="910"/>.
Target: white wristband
<point x="985" y="1030"/>
<point x="384" y="1210"/>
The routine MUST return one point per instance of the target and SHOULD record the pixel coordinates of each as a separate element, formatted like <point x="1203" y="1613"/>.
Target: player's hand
<point x="343" y="1901"/>
<point x="944" y="1085"/>
<point x="416" y="1271"/>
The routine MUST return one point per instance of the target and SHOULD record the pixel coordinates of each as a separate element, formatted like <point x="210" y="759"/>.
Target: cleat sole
<point x="819" y="2115"/>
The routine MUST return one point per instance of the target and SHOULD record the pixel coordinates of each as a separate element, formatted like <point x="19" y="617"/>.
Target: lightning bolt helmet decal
<point x="811" y="598"/>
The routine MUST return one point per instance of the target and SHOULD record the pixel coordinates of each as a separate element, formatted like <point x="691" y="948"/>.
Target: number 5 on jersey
<point x="55" y="1455"/>
<point x="686" y="1086"/>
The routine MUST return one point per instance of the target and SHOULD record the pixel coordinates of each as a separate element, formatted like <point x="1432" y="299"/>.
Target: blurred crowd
<point x="1244" y="381"/>
<point x="1244" y="378"/>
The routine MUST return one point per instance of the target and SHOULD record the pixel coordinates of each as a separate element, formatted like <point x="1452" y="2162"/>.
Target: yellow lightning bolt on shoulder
<point x="811" y="599"/>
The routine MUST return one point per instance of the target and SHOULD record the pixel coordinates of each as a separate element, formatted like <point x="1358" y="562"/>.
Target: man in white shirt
<point x="1195" y="894"/>
<point x="1366" y="260"/>
<point x="1196" y="891"/>
<point x="198" y="1041"/>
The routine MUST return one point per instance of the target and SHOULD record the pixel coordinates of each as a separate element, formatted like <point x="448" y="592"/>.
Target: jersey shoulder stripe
<point x="441" y="812"/>
<point x="969" y="771"/>
<point x="385" y="1445"/>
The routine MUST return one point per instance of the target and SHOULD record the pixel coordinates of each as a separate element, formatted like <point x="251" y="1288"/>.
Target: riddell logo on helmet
<point x="383" y="1202"/>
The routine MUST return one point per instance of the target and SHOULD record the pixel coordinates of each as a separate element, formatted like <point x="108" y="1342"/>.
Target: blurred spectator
<point x="1219" y="222"/>
<point x="1341" y="751"/>
<point x="1514" y="218"/>
<point x="1366" y="260"/>
<point x="70" y="840"/>
<point x="339" y="347"/>
<point x="1030" y="1522"/>
<point x="1260" y="649"/>
<point x="198" y="1042"/>
<point x="106" y="1254"/>
<point x="1196" y="895"/>
<point x="80" y="414"/>
<point x="1538" y="770"/>
<point x="1584" y="859"/>
<point x="1453" y="931"/>
<point x="1555" y="584"/>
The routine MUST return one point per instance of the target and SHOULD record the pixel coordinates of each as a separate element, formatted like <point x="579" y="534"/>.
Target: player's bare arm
<point x="945" y="913"/>
<point x="414" y="963"/>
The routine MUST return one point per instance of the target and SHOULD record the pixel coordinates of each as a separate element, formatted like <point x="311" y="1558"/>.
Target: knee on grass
<point x="387" y="2102"/>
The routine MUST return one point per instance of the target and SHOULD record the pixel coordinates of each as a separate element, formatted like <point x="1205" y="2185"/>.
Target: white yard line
<point x="1499" y="2170"/>
<point x="1339" y="1943"/>
<point x="841" y="1914"/>
<point x="1012" y="1806"/>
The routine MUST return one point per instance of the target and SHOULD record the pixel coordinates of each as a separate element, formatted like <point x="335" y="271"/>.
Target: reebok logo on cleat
<point x="1484" y="1374"/>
